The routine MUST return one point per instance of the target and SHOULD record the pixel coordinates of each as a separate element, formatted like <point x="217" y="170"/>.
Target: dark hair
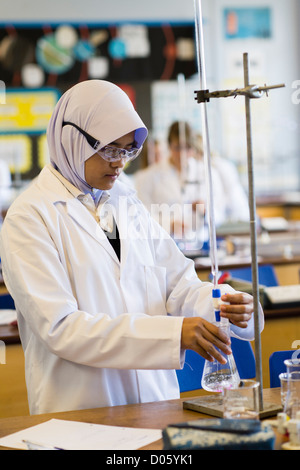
<point x="174" y="132"/>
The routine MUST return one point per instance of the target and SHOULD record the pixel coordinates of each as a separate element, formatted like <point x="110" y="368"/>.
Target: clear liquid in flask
<point x="217" y="376"/>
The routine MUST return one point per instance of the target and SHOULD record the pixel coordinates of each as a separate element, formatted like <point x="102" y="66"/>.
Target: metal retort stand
<point x="213" y="404"/>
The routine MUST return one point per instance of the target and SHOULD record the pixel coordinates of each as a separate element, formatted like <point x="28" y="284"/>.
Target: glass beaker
<point x="215" y="375"/>
<point x="241" y="402"/>
<point x="283" y="378"/>
<point x="292" y="401"/>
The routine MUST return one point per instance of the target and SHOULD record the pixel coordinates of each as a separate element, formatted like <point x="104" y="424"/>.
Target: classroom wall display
<point x="23" y="121"/>
<point x="16" y="150"/>
<point x="39" y="62"/>
<point x="167" y="106"/>
<point x="247" y="22"/>
<point x="58" y="55"/>
<point x="27" y="111"/>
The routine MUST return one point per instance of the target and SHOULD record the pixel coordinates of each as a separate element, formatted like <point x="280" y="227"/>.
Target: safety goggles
<point x="109" y="152"/>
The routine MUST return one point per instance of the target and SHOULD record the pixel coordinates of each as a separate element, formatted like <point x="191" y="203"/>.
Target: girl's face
<point x="176" y="152"/>
<point x="101" y="174"/>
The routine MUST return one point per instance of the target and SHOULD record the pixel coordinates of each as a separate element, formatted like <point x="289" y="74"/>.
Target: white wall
<point x="96" y="10"/>
<point x="276" y="118"/>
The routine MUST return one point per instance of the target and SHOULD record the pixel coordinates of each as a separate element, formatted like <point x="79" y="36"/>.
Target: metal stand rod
<point x="252" y="208"/>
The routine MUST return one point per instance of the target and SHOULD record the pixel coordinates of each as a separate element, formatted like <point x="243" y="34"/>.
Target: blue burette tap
<point x="216" y="297"/>
<point x="217" y="376"/>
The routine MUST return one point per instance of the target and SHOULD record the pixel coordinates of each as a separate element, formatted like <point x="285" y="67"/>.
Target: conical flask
<point x="217" y="376"/>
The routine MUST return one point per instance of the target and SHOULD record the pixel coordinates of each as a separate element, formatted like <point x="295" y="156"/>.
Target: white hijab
<point x="101" y="109"/>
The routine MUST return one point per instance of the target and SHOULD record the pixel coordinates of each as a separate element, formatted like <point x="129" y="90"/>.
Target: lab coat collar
<point x="82" y="216"/>
<point x="51" y="181"/>
<point x="58" y="191"/>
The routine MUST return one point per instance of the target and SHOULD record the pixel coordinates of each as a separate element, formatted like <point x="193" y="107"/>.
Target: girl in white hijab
<point x="101" y="328"/>
<point x="100" y="109"/>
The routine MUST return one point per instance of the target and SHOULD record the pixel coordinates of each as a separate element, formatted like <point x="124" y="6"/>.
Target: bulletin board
<point x="39" y="62"/>
<point x="57" y="55"/>
<point x="24" y="117"/>
<point x="248" y="23"/>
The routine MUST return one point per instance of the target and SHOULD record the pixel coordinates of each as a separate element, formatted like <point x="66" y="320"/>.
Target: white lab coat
<point x="160" y="183"/>
<point x="96" y="331"/>
<point x="6" y="190"/>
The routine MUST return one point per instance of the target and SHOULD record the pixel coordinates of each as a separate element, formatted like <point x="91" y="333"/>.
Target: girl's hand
<point x="203" y="337"/>
<point x="240" y="308"/>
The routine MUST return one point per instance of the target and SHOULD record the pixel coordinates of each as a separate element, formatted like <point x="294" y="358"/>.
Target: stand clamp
<point x="251" y="91"/>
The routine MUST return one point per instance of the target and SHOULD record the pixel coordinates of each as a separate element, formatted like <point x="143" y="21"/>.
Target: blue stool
<point x="276" y="366"/>
<point x="6" y="302"/>
<point x="266" y="275"/>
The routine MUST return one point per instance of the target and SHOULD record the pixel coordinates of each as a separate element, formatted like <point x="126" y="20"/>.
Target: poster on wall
<point x="27" y="111"/>
<point x="245" y="23"/>
<point x="43" y="57"/>
<point x="23" y="121"/>
<point x="61" y="55"/>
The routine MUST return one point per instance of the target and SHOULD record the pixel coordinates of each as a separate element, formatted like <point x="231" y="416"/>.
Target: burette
<point x="206" y="144"/>
<point x="249" y="91"/>
<point x="182" y="133"/>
